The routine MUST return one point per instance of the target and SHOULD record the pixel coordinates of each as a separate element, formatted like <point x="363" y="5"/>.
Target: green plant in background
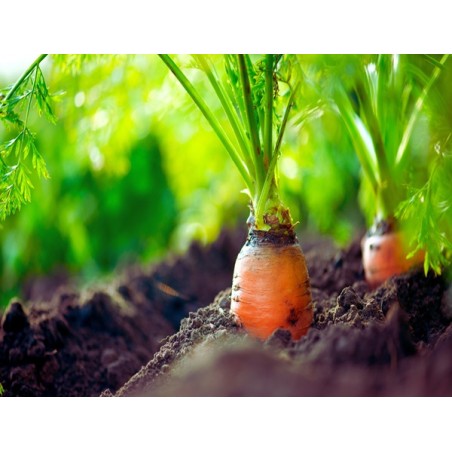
<point x="381" y="100"/>
<point x="324" y="175"/>
<point x="113" y="101"/>
<point x="89" y="217"/>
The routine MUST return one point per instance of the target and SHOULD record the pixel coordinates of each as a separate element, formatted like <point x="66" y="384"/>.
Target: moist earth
<point x="157" y="332"/>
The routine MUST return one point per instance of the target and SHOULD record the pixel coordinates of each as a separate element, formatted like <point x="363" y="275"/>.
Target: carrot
<point x="271" y="287"/>
<point x="384" y="254"/>
<point x="271" y="284"/>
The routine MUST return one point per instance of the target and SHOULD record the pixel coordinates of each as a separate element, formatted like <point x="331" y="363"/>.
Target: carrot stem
<point x="364" y="153"/>
<point x="228" y="108"/>
<point x="386" y="189"/>
<point x="210" y="118"/>
<point x="269" y="180"/>
<point x="19" y="82"/>
<point x="268" y="125"/>
<point x="251" y="118"/>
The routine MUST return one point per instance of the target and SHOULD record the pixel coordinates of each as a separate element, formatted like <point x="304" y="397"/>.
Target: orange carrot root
<point x="271" y="289"/>
<point x="385" y="256"/>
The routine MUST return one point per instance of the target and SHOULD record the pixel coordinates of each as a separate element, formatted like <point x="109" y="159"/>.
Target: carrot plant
<point x="383" y="106"/>
<point x="18" y="153"/>
<point x="270" y="287"/>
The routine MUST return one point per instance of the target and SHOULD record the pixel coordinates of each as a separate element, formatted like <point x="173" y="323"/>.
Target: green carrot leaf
<point x="15" y="108"/>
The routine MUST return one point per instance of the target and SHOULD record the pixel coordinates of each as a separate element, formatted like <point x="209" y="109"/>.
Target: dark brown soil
<point x="129" y="338"/>
<point x="80" y="344"/>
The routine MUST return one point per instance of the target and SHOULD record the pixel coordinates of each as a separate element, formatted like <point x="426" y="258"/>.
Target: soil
<point x="157" y="332"/>
<point x="81" y="343"/>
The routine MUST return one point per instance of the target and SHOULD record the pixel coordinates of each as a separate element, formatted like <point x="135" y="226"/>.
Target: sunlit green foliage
<point x="115" y="101"/>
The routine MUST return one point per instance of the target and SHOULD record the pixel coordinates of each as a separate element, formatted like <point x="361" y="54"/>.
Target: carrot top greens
<point x="382" y="100"/>
<point x="249" y="91"/>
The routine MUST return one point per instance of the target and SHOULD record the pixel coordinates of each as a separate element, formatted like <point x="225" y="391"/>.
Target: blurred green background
<point x="137" y="173"/>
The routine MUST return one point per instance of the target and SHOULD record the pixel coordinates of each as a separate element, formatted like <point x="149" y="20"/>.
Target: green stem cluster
<point x="251" y="145"/>
<point x="381" y="161"/>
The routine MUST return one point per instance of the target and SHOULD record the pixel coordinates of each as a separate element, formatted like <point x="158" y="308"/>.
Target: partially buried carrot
<point x="271" y="285"/>
<point x="385" y="254"/>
